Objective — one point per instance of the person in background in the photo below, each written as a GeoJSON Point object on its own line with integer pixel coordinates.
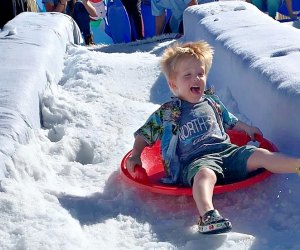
{"type": "Point", "coordinates": [175, 23]}
{"type": "Point", "coordinates": [271, 6]}
{"type": "Point", "coordinates": [289, 5]}
{"type": "Point", "coordinates": [195, 148]}
{"type": "Point", "coordinates": [134, 11]}
{"type": "Point", "coordinates": [10, 8]}
{"type": "Point", "coordinates": [79, 10]}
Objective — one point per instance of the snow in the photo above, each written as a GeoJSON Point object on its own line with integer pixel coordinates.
{"type": "Point", "coordinates": [32, 48]}
{"type": "Point", "coordinates": [61, 187]}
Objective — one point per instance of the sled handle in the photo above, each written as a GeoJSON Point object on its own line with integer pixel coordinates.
{"type": "Point", "coordinates": [263, 143]}
{"type": "Point", "coordinates": [258, 137]}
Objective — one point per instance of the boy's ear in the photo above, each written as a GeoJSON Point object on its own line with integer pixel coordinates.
{"type": "Point", "coordinates": [172, 84]}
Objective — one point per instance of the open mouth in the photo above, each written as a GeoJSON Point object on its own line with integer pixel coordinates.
{"type": "Point", "coordinates": [195, 90]}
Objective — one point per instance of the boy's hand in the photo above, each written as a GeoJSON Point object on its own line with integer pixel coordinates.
{"type": "Point", "coordinates": [251, 131]}
{"type": "Point", "coordinates": [132, 162]}
{"type": "Point", "coordinates": [135, 169]}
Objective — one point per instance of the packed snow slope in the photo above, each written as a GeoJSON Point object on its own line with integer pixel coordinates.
{"type": "Point", "coordinates": [32, 48]}
{"type": "Point", "coordinates": [62, 188]}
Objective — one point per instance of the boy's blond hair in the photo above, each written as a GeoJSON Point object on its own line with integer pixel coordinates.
{"type": "Point", "coordinates": [202, 51]}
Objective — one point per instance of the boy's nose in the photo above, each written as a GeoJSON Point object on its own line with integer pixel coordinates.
{"type": "Point", "coordinates": [196, 79]}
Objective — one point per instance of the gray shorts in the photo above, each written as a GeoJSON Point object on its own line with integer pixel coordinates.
{"type": "Point", "coordinates": [229, 165]}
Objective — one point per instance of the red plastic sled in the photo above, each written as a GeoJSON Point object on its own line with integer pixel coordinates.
{"type": "Point", "coordinates": [149, 179]}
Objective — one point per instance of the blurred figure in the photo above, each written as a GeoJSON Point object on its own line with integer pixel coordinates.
{"type": "Point", "coordinates": [82, 12]}
{"type": "Point", "coordinates": [134, 11]}
{"type": "Point", "coordinates": [55, 5]}
{"type": "Point", "coordinates": [79, 10]}
{"type": "Point", "coordinates": [289, 5]}
{"type": "Point", "coordinates": [10, 8]}
{"type": "Point", "coordinates": [174, 24]}
{"type": "Point", "coordinates": [271, 6]}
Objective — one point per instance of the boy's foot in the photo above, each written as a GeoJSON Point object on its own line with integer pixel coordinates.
{"type": "Point", "coordinates": [213, 223]}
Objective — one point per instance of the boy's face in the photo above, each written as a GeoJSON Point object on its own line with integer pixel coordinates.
{"type": "Point", "coordinates": [189, 80]}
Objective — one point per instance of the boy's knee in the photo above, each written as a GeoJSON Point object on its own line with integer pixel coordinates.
{"type": "Point", "coordinates": [259, 157]}
{"type": "Point", "coordinates": [260, 152]}
{"type": "Point", "coordinates": [205, 174]}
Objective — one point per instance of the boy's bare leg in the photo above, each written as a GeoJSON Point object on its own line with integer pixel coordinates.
{"type": "Point", "coordinates": [274, 162]}
{"type": "Point", "coordinates": [203, 187]}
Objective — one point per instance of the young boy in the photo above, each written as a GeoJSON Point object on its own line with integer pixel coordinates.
{"type": "Point", "coordinates": [195, 148]}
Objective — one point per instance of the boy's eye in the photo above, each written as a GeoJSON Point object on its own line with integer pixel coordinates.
{"type": "Point", "coordinates": [187, 75]}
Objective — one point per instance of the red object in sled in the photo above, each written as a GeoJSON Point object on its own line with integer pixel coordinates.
{"type": "Point", "coordinates": [148, 177]}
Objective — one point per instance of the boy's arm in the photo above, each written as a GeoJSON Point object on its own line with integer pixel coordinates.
{"type": "Point", "coordinates": [135, 158]}
{"type": "Point", "coordinates": [145, 136]}
{"type": "Point", "coordinates": [250, 130]}
{"type": "Point", "coordinates": [232, 122]}
{"type": "Point", "coordinates": [229, 120]}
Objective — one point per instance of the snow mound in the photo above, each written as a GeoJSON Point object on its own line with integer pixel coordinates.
{"type": "Point", "coordinates": [32, 49]}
